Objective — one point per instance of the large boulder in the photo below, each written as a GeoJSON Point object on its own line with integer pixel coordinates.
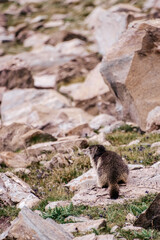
{"type": "Point", "coordinates": [151, 217]}
{"type": "Point", "coordinates": [30, 225]}
{"type": "Point", "coordinates": [131, 69]}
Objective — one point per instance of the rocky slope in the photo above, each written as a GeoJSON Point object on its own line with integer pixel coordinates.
{"type": "Point", "coordinates": [75, 73]}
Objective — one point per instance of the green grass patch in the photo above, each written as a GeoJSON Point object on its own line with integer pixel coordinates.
{"type": "Point", "coordinates": [8, 211]}
{"type": "Point", "coordinates": [143, 234]}
{"type": "Point", "coordinates": [141, 153]}
{"type": "Point", "coordinates": [48, 184]}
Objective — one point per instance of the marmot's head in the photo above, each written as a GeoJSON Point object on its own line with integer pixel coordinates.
{"type": "Point", "coordinates": [96, 150]}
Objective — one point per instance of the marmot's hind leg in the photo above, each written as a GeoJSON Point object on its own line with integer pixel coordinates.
{"type": "Point", "coordinates": [123, 179]}
{"type": "Point", "coordinates": [102, 182]}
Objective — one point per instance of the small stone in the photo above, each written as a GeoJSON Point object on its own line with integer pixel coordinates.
{"type": "Point", "coordinates": [130, 218]}
{"type": "Point", "coordinates": [77, 219]}
{"type": "Point", "coordinates": [135, 142]}
{"type": "Point", "coordinates": [114, 229]}
{"type": "Point", "coordinates": [155, 144]}
{"type": "Point", "coordinates": [135, 166]}
{"type": "Point", "coordinates": [132, 228]}
{"type": "Point", "coordinates": [52, 205]}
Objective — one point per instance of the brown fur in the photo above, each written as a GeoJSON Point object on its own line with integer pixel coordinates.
{"type": "Point", "coordinates": [111, 169]}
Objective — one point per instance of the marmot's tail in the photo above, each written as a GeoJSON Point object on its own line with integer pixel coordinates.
{"type": "Point", "coordinates": [114, 191]}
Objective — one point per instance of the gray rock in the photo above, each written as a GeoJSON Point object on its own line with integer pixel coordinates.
{"type": "Point", "coordinates": [102, 120]}
{"type": "Point", "coordinates": [62, 144]}
{"type": "Point", "coordinates": [84, 226]}
{"type": "Point", "coordinates": [30, 225]}
{"type": "Point", "coordinates": [14, 191]}
{"type": "Point", "coordinates": [30, 105]}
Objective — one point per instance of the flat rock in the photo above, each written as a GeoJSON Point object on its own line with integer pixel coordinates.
{"type": "Point", "coordinates": [30, 105]}
{"type": "Point", "coordinates": [96, 237]}
{"type": "Point", "coordinates": [86, 237]}
{"type": "Point", "coordinates": [14, 191]}
{"type": "Point", "coordinates": [30, 225]}
{"type": "Point", "coordinates": [84, 226]}
{"type": "Point", "coordinates": [126, 69]}
{"type": "Point", "coordinates": [62, 144]}
{"type": "Point", "coordinates": [52, 205]}
{"type": "Point", "coordinates": [140, 182]}
{"type": "Point", "coordinates": [15, 160]}
{"type": "Point", "coordinates": [10, 137]}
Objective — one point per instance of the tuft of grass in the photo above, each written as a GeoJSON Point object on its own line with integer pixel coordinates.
{"type": "Point", "coordinates": [141, 153]}
{"type": "Point", "coordinates": [8, 211]}
{"type": "Point", "coordinates": [40, 138]}
{"type": "Point", "coordinates": [143, 234]}
{"type": "Point", "coordinates": [60, 213]}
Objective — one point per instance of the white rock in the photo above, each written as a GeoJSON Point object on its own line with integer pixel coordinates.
{"type": "Point", "coordinates": [135, 142]}
{"type": "Point", "coordinates": [100, 138]}
{"type": "Point", "coordinates": [107, 27]}
{"type": "Point", "coordinates": [36, 40]}
{"type": "Point", "coordinates": [87, 237]}
{"type": "Point", "coordinates": [45, 81]}
{"type": "Point", "coordinates": [84, 181]}
{"type": "Point", "coordinates": [135, 166]}
{"type": "Point", "coordinates": [52, 205]}
{"type": "Point", "coordinates": [130, 218]}
{"type": "Point", "coordinates": [53, 24]}
{"type": "Point", "coordinates": [111, 128]}
{"type": "Point", "coordinates": [30, 106]}
{"type": "Point", "coordinates": [156, 165]}
{"type": "Point", "coordinates": [153, 119]}
{"type": "Point", "coordinates": [155, 144]}
{"type": "Point", "coordinates": [39, 19]}
{"type": "Point", "coordinates": [151, 4]}
{"type": "Point", "coordinates": [72, 47]}
{"type": "Point", "coordinates": [101, 120]}
{"type": "Point", "coordinates": [132, 228]}
{"type": "Point", "coordinates": [14, 191]}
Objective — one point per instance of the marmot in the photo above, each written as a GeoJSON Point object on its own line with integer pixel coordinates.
{"type": "Point", "coordinates": [111, 169]}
